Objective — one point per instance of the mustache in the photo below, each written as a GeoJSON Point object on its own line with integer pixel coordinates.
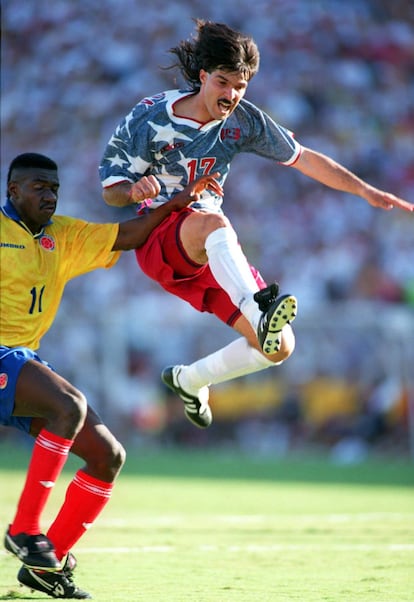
{"type": "Point", "coordinates": [225, 101]}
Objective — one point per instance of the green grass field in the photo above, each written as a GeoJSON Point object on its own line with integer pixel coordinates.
{"type": "Point", "coordinates": [211, 527]}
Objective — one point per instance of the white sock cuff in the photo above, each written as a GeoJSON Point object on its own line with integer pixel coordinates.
{"type": "Point", "coordinates": [219, 236]}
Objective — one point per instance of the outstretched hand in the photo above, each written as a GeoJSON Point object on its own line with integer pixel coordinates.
{"type": "Point", "coordinates": [322, 168]}
{"type": "Point", "coordinates": [386, 200]}
{"type": "Point", "coordinates": [192, 192]}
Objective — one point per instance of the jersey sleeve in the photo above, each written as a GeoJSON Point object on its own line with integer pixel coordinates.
{"type": "Point", "coordinates": [127, 154]}
{"type": "Point", "coordinates": [266, 137]}
{"type": "Point", "coordinates": [87, 246]}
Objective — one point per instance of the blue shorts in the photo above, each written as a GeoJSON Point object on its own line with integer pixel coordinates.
{"type": "Point", "coordinates": [12, 360]}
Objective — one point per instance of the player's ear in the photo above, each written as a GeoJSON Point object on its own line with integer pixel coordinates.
{"type": "Point", "coordinates": [11, 188]}
{"type": "Point", "coordinates": [203, 76]}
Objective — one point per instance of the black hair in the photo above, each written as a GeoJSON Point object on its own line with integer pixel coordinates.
{"type": "Point", "coordinates": [29, 160]}
{"type": "Point", "coordinates": [216, 46]}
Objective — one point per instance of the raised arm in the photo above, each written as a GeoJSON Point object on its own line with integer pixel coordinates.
{"type": "Point", "coordinates": [133, 233]}
{"type": "Point", "coordinates": [327, 171]}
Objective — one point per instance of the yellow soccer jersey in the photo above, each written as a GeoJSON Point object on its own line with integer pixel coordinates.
{"type": "Point", "coordinates": [35, 269]}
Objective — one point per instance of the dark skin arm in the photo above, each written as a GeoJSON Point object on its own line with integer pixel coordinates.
{"type": "Point", "coordinates": [133, 233]}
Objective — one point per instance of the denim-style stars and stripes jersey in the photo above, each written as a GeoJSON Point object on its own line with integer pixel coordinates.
{"type": "Point", "coordinates": [151, 139]}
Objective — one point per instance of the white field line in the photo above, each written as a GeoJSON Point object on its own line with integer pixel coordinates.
{"type": "Point", "coordinates": [252, 548]}
{"type": "Point", "coordinates": [184, 520]}
{"type": "Point", "coordinates": [249, 548]}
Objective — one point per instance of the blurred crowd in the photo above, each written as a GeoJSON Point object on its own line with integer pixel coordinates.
{"type": "Point", "coordinates": [338, 74]}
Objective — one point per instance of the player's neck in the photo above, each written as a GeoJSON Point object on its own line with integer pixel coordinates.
{"type": "Point", "coordinates": [192, 107]}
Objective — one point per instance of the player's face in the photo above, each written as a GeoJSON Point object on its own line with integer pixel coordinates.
{"type": "Point", "coordinates": [221, 92]}
{"type": "Point", "coordinates": [34, 193]}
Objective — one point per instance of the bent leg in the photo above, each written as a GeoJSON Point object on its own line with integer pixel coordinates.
{"type": "Point", "coordinates": [41, 392]}
{"type": "Point", "coordinates": [241, 357]}
{"type": "Point", "coordinates": [210, 237]}
{"type": "Point", "coordinates": [91, 487]}
{"type": "Point", "coordinates": [287, 346]}
{"type": "Point", "coordinates": [103, 454]}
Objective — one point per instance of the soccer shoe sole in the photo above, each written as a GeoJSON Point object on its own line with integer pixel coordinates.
{"type": "Point", "coordinates": [192, 405]}
{"type": "Point", "coordinates": [269, 332]}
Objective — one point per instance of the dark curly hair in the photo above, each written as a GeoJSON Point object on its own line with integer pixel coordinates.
{"type": "Point", "coordinates": [216, 46]}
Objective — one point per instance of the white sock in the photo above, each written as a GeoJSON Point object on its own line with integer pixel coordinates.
{"type": "Point", "coordinates": [234, 360]}
{"type": "Point", "coordinates": [231, 269]}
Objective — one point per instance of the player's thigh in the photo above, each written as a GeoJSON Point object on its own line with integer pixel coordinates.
{"type": "Point", "coordinates": [194, 230]}
{"type": "Point", "coordinates": [43, 393]}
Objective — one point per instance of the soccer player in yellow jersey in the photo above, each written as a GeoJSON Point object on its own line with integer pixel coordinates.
{"type": "Point", "coordinates": [39, 254]}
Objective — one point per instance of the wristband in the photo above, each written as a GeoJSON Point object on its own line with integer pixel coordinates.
{"type": "Point", "coordinates": [143, 206]}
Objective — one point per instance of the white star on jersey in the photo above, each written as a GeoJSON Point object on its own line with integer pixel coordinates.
{"type": "Point", "coordinates": [116, 160]}
{"type": "Point", "coordinates": [166, 133]}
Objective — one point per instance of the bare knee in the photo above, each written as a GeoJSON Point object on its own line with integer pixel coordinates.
{"type": "Point", "coordinates": [117, 458]}
{"type": "Point", "coordinates": [108, 464]}
{"type": "Point", "coordinates": [69, 413]}
{"type": "Point", "coordinates": [103, 454]}
{"type": "Point", "coordinates": [196, 228]}
{"type": "Point", "coordinates": [214, 221]}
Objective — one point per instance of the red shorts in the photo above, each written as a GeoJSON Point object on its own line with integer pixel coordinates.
{"type": "Point", "coordinates": [164, 259]}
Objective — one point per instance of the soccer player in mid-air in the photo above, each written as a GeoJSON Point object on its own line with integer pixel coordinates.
{"type": "Point", "coordinates": [39, 253]}
{"type": "Point", "coordinates": [166, 141]}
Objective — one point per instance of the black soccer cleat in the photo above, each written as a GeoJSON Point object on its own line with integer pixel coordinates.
{"type": "Point", "coordinates": [58, 584]}
{"type": "Point", "coordinates": [277, 312]}
{"type": "Point", "coordinates": [266, 296]}
{"type": "Point", "coordinates": [196, 408]}
{"type": "Point", "coordinates": [35, 551]}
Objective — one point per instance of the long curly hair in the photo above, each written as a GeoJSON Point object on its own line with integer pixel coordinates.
{"type": "Point", "coordinates": [216, 46]}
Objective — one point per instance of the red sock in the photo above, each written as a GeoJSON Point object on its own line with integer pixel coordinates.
{"type": "Point", "coordinates": [84, 501]}
{"type": "Point", "coordinates": [49, 455]}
